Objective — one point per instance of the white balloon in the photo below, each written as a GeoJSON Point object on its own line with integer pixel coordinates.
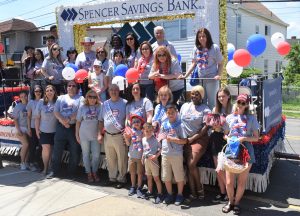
{"type": "Point", "coordinates": [230, 46]}
{"type": "Point", "coordinates": [68, 73]}
{"type": "Point", "coordinates": [233, 69]}
{"type": "Point", "coordinates": [120, 81]}
{"type": "Point", "coordinates": [277, 38]}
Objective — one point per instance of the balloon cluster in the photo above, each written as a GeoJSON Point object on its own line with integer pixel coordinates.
{"type": "Point", "coordinates": [278, 41]}
{"type": "Point", "coordinates": [121, 72]}
{"type": "Point", "coordinates": [256, 45]}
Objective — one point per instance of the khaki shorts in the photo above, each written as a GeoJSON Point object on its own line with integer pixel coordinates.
{"type": "Point", "coordinates": [172, 165]}
{"type": "Point", "coordinates": [151, 168]}
{"type": "Point", "coordinates": [135, 166]}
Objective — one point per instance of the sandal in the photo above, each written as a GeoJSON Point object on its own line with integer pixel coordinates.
{"type": "Point", "coordinates": [227, 208]}
{"type": "Point", "coordinates": [236, 210]}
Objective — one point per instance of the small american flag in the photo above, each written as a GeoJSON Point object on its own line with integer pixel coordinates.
{"type": "Point", "coordinates": [128, 131]}
{"type": "Point", "coordinates": [161, 136]}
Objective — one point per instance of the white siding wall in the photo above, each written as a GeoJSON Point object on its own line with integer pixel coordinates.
{"type": "Point", "coordinates": [249, 21]}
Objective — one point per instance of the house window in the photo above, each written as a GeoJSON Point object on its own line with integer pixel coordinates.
{"type": "Point", "coordinates": [6, 44]}
{"type": "Point", "coordinates": [44, 40]}
{"type": "Point", "coordinates": [278, 66]}
{"type": "Point", "coordinates": [267, 30]}
{"type": "Point", "coordinates": [174, 30]}
{"type": "Point", "coordinates": [266, 66]}
{"type": "Point", "coordinates": [257, 29]}
{"type": "Point", "coordinates": [239, 22]}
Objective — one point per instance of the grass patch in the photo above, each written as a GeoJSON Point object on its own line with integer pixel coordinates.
{"type": "Point", "coordinates": [291, 114]}
{"type": "Point", "coordinates": [291, 106]}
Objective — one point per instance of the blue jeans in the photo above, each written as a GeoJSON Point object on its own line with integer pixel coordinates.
{"type": "Point", "coordinates": [64, 136]}
{"type": "Point", "coordinates": [148, 91]}
{"type": "Point", "coordinates": [87, 148]}
{"type": "Point", "coordinates": [211, 88]}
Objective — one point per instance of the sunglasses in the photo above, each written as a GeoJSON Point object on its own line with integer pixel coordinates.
{"type": "Point", "coordinates": [37, 91]}
{"type": "Point", "coordinates": [49, 90]}
{"type": "Point", "coordinates": [161, 55]}
{"type": "Point", "coordinates": [143, 49]}
{"type": "Point", "coordinates": [72, 86]}
{"type": "Point", "coordinates": [56, 49]}
{"type": "Point", "coordinates": [100, 52]}
{"type": "Point", "coordinates": [136, 121]}
{"type": "Point", "coordinates": [92, 97]}
{"type": "Point", "coordinates": [241, 103]}
{"type": "Point", "coordinates": [130, 38]}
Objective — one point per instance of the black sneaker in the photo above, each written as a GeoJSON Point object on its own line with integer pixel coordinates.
{"type": "Point", "coordinates": [119, 185]}
{"type": "Point", "coordinates": [169, 199]}
{"type": "Point", "coordinates": [220, 198]}
{"type": "Point", "coordinates": [159, 199]}
{"type": "Point", "coordinates": [148, 195]}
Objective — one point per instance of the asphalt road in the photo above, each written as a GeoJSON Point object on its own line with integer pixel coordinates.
{"type": "Point", "coordinates": [28, 193]}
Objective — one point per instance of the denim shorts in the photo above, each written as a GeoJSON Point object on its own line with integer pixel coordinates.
{"type": "Point", "coordinates": [250, 148]}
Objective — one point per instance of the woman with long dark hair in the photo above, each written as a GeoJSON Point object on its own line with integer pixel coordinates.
{"type": "Point", "coordinates": [116, 44]}
{"type": "Point", "coordinates": [131, 49]}
{"type": "Point", "coordinates": [71, 56]}
{"type": "Point", "coordinates": [208, 63]}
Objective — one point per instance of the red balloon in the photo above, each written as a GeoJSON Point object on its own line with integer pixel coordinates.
{"type": "Point", "coordinates": [283, 48]}
{"type": "Point", "coordinates": [81, 75]}
{"type": "Point", "coordinates": [242, 57]}
{"type": "Point", "coordinates": [1, 48]}
{"type": "Point", "coordinates": [132, 75]}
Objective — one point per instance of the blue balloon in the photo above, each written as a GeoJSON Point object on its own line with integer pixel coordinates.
{"type": "Point", "coordinates": [179, 58]}
{"type": "Point", "coordinates": [256, 44]}
{"type": "Point", "coordinates": [71, 65]}
{"type": "Point", "coordinates": [121, 70]}
{"type": "Point", "coordinates": [230, 54]}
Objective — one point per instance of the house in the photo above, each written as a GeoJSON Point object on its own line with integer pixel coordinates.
{"type": "Point", "coordinates": [293, 40]}
{"type": "Point", "coordinates": [15, 34]}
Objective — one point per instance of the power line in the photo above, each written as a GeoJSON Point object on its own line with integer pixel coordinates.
{"type": "Point", "coordinates": [7, 2]}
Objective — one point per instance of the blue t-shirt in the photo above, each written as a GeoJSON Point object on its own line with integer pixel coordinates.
{"type": "Point", "coordinates": [48, 120]}
{"type": "Point", "coordinates": [20, 114]}
{"type": "Point", "coordinates": [173, 130]}
{"type": "Point", "coordinates": [67, 105]}
{"type": "Point", "coordinates": [136, 146]}
{"type": "Point", "coordinates": [31, 106]}
{"type": "Point", "coordinates": [140, 108]}
{"type": "Point", "coordinates": [150, 146]}
{"type": "Point", "coordinates": [160, 114]}
{"type": "Point", "coordinates": [241, 125]}
{"type": "Point", "coordinates": [85, 60]}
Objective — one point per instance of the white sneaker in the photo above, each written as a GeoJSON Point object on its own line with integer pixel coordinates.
{"type": "Point", "coordinates": [23, 166]}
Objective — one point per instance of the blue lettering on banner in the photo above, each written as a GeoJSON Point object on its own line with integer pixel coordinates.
{"type": "Point", "coordinates": [183, 5]}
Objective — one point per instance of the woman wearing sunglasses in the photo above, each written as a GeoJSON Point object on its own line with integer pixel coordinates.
{"type": "Point", "coordinates": [86, 134]}
{"type": "Point", "coordinates": [132, 53]}
{"type": "Point", "coordinates": [244, 126]}
{"type": "Point", "coordinates": [165, 71]}
{"type": "Point", "coordinates": [144, 65]}
{"type": "Point", "coordinates": [45, 124]}
{"type": "Point", "coordinates": [71, 56]}
{"type": "Point", "coordinates": [36, 95]}
{"type": "Point", "coordinates": [52, 68]}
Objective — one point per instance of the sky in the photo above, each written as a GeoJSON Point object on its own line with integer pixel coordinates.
{"type": "Point", "coordinates": [42, 13]}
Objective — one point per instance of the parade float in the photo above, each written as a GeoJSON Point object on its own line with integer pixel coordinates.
{"type": "Point", "coordinates": [73, 22]}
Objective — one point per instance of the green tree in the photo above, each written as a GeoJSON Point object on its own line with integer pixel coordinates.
{"type": "Point", "coordinates": [292, 70]}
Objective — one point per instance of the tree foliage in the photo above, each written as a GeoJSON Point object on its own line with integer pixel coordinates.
{"type": "Point", "coordinates": [292, 70]}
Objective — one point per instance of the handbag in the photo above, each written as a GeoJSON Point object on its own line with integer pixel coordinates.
{"type": "Point", "coordinates": [195, 77]}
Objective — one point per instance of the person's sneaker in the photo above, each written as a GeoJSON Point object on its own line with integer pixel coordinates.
{"type": "Point", "coordinates": [179, 200]}
{"type": "Point", "coordinates": [50, 175]}
{"type": "Point", "coordinates": [148, 195]}
{"type": "Point", "coordinates": [33, 168]}
{"type": "Point", "coordinates": [169, 199]}
{"type": "Point", "coordinates": [220, 198]}
{"type": "Point", "coordinates": [200, 194]}
{"type": "Point", "coordinates": [159, 199]}
{"type": "Point", "coordinates": [23, 167]}
{"type": "Point", "coordinates": [140, 193]}
{"type": "Point", "coordinates": [131, 191]}
{"type": "Point", "coordinates": [119, 185]}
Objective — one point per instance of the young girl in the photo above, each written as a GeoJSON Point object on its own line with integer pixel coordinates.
{"type": "Point", "coordinates": [216, 142]}
{"type": "Point", "coordinates": [133, 138]}
{"type": "Point", "coordinates": [20, 118]}
{"type": "Point", "coordinates": [152, 150]}
{"type": "Point", "coordinates": [86, 134]}
{"type": "Point", "coordinates": [163, 99]}
{"type": "Point", "coordinates": [118, 58]}
{"type": "Point", "coordinates": [97, 80]}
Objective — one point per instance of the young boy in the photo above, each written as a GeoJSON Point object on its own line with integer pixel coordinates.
{"type": "Point", "coordinates": [152, 150]}
{"type": "Point", "coordinates": [173, 140]}
{"type": "Point", "coordinates": [133, 138]}
{"type": "Point", "coordinates": [97, 80]}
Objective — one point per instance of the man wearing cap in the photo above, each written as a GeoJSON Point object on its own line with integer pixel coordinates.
{"type": "Point", "coordinates": [86, 59]}
{"type": "Point", "coordinates": [112, 118]}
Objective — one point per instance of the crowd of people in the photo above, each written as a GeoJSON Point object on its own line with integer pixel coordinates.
{"type": "Point", "coordinates": [161, 139]}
